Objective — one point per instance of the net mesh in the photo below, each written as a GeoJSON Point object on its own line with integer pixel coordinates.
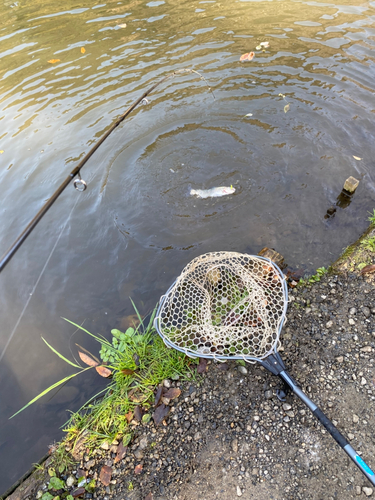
{"type": "Point", "coordinates": [224, 305]}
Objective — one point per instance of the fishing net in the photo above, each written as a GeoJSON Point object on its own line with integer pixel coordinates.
{"type": "Point", "coordinates": [224, 305]}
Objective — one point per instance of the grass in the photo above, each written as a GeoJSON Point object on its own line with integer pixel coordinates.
{"type": "Point", "coordinates": [372, 217]}
{"type": "Point", "coordinates": [369, 244]}
{"type": "Point", "coordinates": [135, 361]}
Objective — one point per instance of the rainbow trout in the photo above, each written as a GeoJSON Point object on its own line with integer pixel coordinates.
{"type": "Point", "coordinates": [213, 192]}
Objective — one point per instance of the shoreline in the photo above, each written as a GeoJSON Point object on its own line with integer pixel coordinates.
{"type": "Point", "coordinates": [311, 342]}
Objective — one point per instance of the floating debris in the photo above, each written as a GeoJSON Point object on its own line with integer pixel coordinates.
{"type": "Point", "coordinates": [213, 192]}
{"type": "Point", "coordinates": [265, 44]}
{"type": "Point", "coordinates": [247, 57]}
{"type": "Point", "coordinates": [357, 158]}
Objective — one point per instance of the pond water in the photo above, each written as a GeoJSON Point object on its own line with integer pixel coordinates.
{"type": "Point", "coordinates": [136, 226]}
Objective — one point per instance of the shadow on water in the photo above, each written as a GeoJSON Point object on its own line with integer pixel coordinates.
{"type": "Point", "coordinates": [137, 226]}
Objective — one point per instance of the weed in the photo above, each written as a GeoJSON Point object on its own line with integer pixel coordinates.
{"type": "Point", "coordinates": [137, 361]}
{"type": "Point", "coordinates": [372, 217]}
{"type": "Point", "coordinates": [320, 272]}
{"type": "Point", "coordinates": [369, 244]}
{"type": "Point", "coordinates": [130, 486]}
{"type": "Point", "coordinates": [61, 459]}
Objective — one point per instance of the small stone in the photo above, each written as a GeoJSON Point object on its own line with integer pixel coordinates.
{"type": "Point", "coordinates": [242, 370]}
{"type": "Point", "coordinates": [175, 376]}
{"type": "Point", "coordinates": [235, 445]}
{"type": "Point", "coordinates": [70, 481]}
{"type": "Point", "coordinates": [287, 407]}
{"type": "Point", "coordinates": [340, 359]}
{"type": "Point", "coordinates": [355, 418]}
{"type": "Point", "coordinates": [167, 383]}
{"type": "Point", "coordinates": [143, 443]}
{"type": "Point", "coordinates": [358, 490]}
{"type": "Point", "coordinates": [197, 436]}
{"type": "Point", "coordinates": [105, 445]}
{"type": "Point", "coordinates": [351, 436]}
{"type": "Point", "coordinates": [366, 311]}
{"type": "Point", "coordinates": [367, 348]}
{"type": "Point", "coordinates": [165, 401]}
{"type": "Point", "coordinates": [239, 492]}
{"type": "Point", "coordinates": [329, 324]}
{"type": "Point", "coordinates": [363, 381]}
{"type": "Point", "coordinates": [351, 321]}
{"type": "Point", "coordinates": [170, 439]}
{"type": "Point", "coordinates": [138, 454]}
{"type": "Point", "coordinates": [367, 491]}
{"type": "Point", "coordinates": [268, 394]}
{"type": "Point", "coordinates": [39, 494]}
{"type": "Point", "coordinates": [352, 310]}
{"type": "Point", "coordinates": [90, 464]}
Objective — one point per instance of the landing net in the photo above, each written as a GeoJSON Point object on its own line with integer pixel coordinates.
{"type": "Point", "coordinates": [225, 305]}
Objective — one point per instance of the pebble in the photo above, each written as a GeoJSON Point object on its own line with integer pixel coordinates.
{"type": "Point", "coordinates": [268, 394]}
{"type": "Point", "coordinates": [287, 407]}
{"type": "Point", "coordinates": [329, 324]}
{"type": "Point", "coordinates": [242, 370]}
{"type": "Point", "coordinates": [71, 480]}
{"type": "Point", "coordinates": [367, 348]}
{"type": "Point", "coordinates": [167, 383]}
{"type": "Point", "coordinates": [351, 321]}
{"type": "Point", "coordinates": [340, 359]}
{"type": "Point", "coordinates": [355, 418]}
{"type": "Point", "coordinates": [358, 490]}
{"type": "Point", "coordinates": [197, 436]}
{"type": "Point", "coordinates": [143, 444]}
{"type": "Point", "coordinates": [105, 445]}
{"type": "Point", "coordinates": [239, 492]}
{"type": "Point", "coordinates": [235, 445]}
{"type": "Point", "coordinates": [367, 491]}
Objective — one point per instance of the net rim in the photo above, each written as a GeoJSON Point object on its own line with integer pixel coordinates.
{"type": "Point", "coordinates": [210, 355]}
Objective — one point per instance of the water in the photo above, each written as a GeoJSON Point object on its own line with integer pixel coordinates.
{"type": "Point", "coordinates": [136, 226]}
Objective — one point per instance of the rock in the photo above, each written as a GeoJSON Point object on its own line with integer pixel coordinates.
{"type": "Point", "coordinates": [329, 324]}
{"type": "Point", "coordinates": [351, 321]}
{"type": "Point", "coordinates": [352, 310]}
{"type": "Point", "coordinates": [268, 394]}
{"type": "Point", "coordinates": [367, 491]}
{"type": "Point", "coordinates": [235, 445]}
{"type": "Point", "coordinates": [242, 370]}
{"type": "Point", "coordinates": [366, 311]}
{"type": "Point", "coordinates": [355, 418]}
{"type": "Point", "coordinates": [351, 436]}
{"type": "Point", "coordinates": [139, 454]}
{"type": "Point", "coordinates": [105, 445]}
{"type": "Point", "coordinates": [340, 359]}
{"type": "Point", "coordinates": [363, 381]}
{"type": "Point", "coordinates": [367, 348]}
{"type": "Point", "coordinates": [90, 464]}
{"type": "Point", "coordinates": [358, 490]}
{"type": "Point", "coordinates": [197, 436]}
{"type": "Point", "coordinates": [287, 407]}
{"type": "Point", "coordinates": [143, 444]}
{"type": "Point", "coordinates": [71, 481]}
{"type": "Point", "coordinates": [167, 383]}
{"type": "Point", "coordinates": [239, 492]}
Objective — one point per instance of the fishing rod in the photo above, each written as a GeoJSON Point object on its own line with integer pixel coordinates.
{"type": "Point", "coordinates": [79, 183]}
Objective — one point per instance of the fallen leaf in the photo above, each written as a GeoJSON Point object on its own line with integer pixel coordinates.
{"type": "Point", "coordinates": [265, 44]}
{"type": "Point", "coordinates": [87, 352]}
{"type": "Point", "coordinates": [103, 371]}
{"type": "Point", "coordinates": [105, 475]}
{"type": "Point", "coordinates": [159, 392]}
{"type": "Point", "coordinates": [357, 158]}
{"type": "Point", "coordinates": [87, 359]}
{"type": "Point", "coordinates": [202, 367]}
{"type": "Point", "coordinates": [368, 269]}
{"type": "Point", "coordinates": [149, 496]}
{"type": "Point", "coordinates": [286, 108]}
{"type": "Point", "coordinates": [121, 452]}
{"type": "Point", "coordinates": [146, 418]}
{"type": "Point", "coordinates": [53, 61]}
{"type": "Point", "coordinates": [126, 439]}
{"type": "Point", "coordinates": [172, 393]}
{"type": "Point", "coordinates": [83, 50]}
{"type": "Point", "coordinates": [129, 416]}
{"type": "Point", "coordinates": [138, 469]}
{"type": "Point", "coordinates": [126, 371]}
{"type": "Point", "coordinates": [160, 413]}
{"type": "Point", "coordinates": [138, 413]}
{"type": "Point", "coordinates": [247, 57]}
{"type": "Point", "coordinates": [122, 25]}
{"type": "Point", "coordinates": [78, 492]}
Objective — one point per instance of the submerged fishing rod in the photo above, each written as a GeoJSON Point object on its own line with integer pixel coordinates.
{"type": "Point", "coordinates": [79, 183]}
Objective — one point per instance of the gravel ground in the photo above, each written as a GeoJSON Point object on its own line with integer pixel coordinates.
{"type": "Point", "coordinates": [228, 435]}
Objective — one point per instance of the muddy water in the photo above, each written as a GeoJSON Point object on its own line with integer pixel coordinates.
{"type": "Point", "coordinates": [136, 226]}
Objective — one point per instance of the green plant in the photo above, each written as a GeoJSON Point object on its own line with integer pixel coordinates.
{"type": "Point", "coordinates": [372, 217]}
{"type": "Point", "coordinates": [61, 459]}
{"type": "Point", "coordinates": [320, 272]}
{"type": "Point", "coordinates": [136, 362]}
{"type": "Point", "coordinates": [369, 244]}
{"type": "Point", "coordinates": [130, 486]}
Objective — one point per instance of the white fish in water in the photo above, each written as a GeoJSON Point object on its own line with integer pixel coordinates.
{"type": "Point", "coordinates": [213, 192]}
